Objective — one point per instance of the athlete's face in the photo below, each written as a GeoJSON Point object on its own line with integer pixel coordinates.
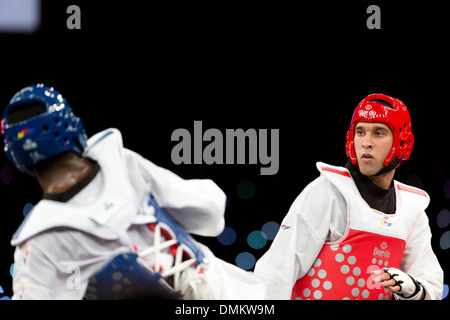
{"type": "Point", "coordinates": [373, 142]}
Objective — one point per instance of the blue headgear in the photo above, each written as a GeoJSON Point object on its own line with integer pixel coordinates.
{"type": "Point", "coordinates": [42, 136]}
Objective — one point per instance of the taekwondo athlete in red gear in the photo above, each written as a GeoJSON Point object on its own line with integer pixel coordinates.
{"type": "Point", "coordinates": [111, 224]}
{"type": "Point", "coordinates": [355, 232]}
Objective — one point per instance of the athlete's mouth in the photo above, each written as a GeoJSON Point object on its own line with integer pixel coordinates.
{"type": "Point", "coordinates": [367, 156]}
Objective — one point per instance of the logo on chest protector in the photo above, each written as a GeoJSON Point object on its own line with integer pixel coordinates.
{"type": "Point", "coordinates": [386, 224]}
{"type": "Point", "coordinates": [383, 251]}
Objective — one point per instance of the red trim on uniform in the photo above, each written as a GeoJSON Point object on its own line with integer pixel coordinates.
{"type": "Point", "coordinates": [341, 172]}
{"type": "Point", "coordinates": [412, 190]}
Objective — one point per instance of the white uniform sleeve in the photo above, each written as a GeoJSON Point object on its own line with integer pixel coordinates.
{"type": "Point", "coordinates": [198, 205]}
{"type": "Point", "coordinates": [303, 232]}
{"type": "Point", "coordinates": [419, 260]}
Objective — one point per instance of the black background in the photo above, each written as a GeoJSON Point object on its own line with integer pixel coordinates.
{"type": "Point", "coordinates": [148, 70]}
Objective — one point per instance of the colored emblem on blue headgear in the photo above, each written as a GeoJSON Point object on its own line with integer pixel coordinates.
{"type": "Point", "coordinates": [54, 131]}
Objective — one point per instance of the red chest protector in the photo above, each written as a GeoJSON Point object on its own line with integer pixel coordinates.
{"type": "Point", "coordinates": [372, 241]}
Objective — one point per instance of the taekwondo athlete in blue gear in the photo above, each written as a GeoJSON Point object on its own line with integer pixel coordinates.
{"type": "Point", "coordinates": [101, 208]}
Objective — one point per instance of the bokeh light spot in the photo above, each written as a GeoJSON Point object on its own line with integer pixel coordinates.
{"type": "Point", "coordinates": [27, 208]}
{"type": "Point", "coordinates": [414, 180]}
{"type": "Point", "coordinates": [245, 190]}
{"type": "Point", "coordinates": [245, 260]}
{"type": "Point", "coordinates": [445, 292]}
{"type": "Point", "coordinates": [437, 169]}
{"type": "Point", "coordinates": [447, 189]}
{"type": "Point", "coordinates": [256, 239]}
{"type": "Point", "coordinates": [445, 240]}
{"type": "Point", "coordinates": [270, 229]}
{"type": "Point", "coordinates": [227, 237]}
{"type": "Point", "coordinates": [443, 218]}
{"type": "Point", "coordinates": [6, 175]}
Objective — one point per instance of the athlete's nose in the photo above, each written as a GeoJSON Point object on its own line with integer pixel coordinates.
{"type": "Point", "coordinates": [367, 142]}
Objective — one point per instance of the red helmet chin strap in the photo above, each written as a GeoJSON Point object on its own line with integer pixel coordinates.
{"type": "Point", "coordinates": [372, 109]}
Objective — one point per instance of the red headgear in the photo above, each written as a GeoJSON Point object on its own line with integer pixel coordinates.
{"type": "Point", "coordinates": [397, 118]}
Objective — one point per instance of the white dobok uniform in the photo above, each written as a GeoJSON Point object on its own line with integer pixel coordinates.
{"type": "Point", "coordinates": [331, 240]}
{"type": "Point", "coordinates": [60, 246]}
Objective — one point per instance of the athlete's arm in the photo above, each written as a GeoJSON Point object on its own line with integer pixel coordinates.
{"type": "Point", "coordinates": [198, 205]}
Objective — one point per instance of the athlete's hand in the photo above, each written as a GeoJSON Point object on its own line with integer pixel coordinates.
{"type": "Point", "coordinates": [399, 282]}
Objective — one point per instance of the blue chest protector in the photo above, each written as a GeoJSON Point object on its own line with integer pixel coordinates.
{"type": "Point", "coordinates": [125, 276]}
